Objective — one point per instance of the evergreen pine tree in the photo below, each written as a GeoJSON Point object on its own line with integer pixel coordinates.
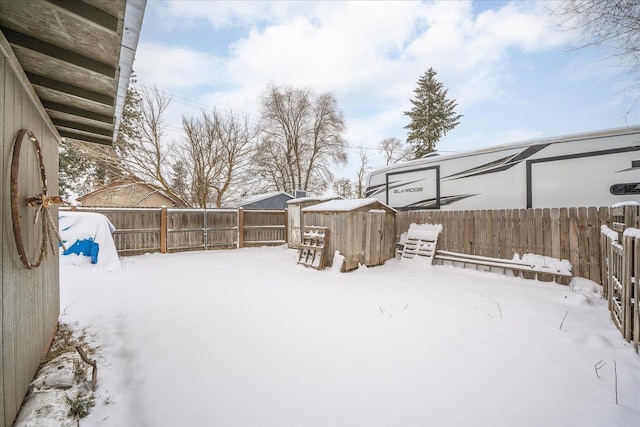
{"type": "Point", "coordinates": [129, 133]}
{"type": "Point", "coordinates": [74, 170]}
{"type": "Point", "coordinates": [179, 177]}
{"type": "Point", "coordinates": [432, 115]}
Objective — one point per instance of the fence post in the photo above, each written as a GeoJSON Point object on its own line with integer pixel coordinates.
{"type": "Point", "coordinates": [286, 227]}
{"type": "Point", "coordinates": [636, 308]}
{"type": "Point", "coordinates": [163, 230]}
{"type": "Point", "coordinates": [240, 228]}
{"type": "Point", "coordinates": [205, 237]}
{"type": "Point", "coordinates": [627, 287]}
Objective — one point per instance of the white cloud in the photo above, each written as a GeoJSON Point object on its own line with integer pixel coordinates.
{"type": "Point", "coordinates": [225, 14]}
{"type": "Point", "coordinates": [350, 47]}
{"type": "Point", "coordinates": [175, 67]}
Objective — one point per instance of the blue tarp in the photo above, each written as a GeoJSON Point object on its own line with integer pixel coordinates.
{"type": "Point", "coordinates": [86, 247]}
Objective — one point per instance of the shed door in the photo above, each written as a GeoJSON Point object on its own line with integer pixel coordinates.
{"type": "Point", "coordinates": [374, 247]}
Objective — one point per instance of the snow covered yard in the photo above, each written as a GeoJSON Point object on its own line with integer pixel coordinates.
{"type": "Point", "coordinates": [247, 337]}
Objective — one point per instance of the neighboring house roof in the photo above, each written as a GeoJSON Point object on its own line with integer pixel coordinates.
{"type": "Point", "coordinates": [259, 197]}
{"type": "Point", "coordinates": [125, 182]}
{"type": "Point", "coordinates": [78, 57]}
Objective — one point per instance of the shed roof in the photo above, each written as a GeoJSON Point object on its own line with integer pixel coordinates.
{"type": "Point", "coordinates": [77, 56]}
{"type": "Point", "coordinates": [347, 205]}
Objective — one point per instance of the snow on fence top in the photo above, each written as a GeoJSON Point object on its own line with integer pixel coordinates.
{"type": "Point", "coordinates": [613, 235]}
{"type": "Point", "coordinates": [631, 232]}
{"type": "Point", "coordinates": [627, 203]}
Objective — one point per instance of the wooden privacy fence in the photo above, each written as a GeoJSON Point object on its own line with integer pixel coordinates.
{"type": "Point", "coordinates": [565, 233]}
{"type": "Point", "coordinates": [140, 230]}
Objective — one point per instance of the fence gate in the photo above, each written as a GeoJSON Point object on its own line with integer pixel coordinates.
{"type": "Point", "coordinates": [262, 227]}
{"type": "Point", "coordinates": [621, 274]}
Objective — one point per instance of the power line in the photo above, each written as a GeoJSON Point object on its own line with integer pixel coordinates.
{"type": "Point", "coordinates": [175, 95]}
{"type": "Point", "coordinates": [184, 99]}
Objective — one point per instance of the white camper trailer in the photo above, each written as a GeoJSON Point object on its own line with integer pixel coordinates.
{"type": "Point", "coordinates": [589, 169]}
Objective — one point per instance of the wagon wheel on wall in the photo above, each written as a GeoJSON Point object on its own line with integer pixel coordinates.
{"type": "Point", "coordinates": [41, 202]}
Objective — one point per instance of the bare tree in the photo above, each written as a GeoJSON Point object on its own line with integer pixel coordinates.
{"type": "Point", "coordinates": [201, 171]}
{"type": "Point", "coordinates": [199, 154]}
{"type": "Point", "coordinates": [215, 152]}
{"type": "Point", "coordinates": [394, 151]}
{"type": "Point", "coordinates": [614, 24]}
{"type": "Point", "coordinates": [343, 187]}
{"type": "Point", "coordinates": [270, 164]}
{"type": "Point", "coordinates": [361, 174]}
{"type": "Point", "coordinates": [150, 157]}
{"type": "Point", "coordinates": [301, 139]}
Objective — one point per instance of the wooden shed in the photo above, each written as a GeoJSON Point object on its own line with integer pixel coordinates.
{"type": "Point", "coordinates": [295, 223]}
{"type": "Point", "coordinates": [363, 230]}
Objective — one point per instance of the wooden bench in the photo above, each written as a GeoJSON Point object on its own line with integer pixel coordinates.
{"type": "Point", "coordinates": [518, 267]}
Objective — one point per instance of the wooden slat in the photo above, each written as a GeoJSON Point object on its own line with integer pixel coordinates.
{"type": "Point", "coordinates": [483, 232]}
{"type": "Point", "coordinates": [554, 215]}
{"type": "Point", "coordinates": [593, 230]}
{"type": "Point", "coordinates": [574, 246]}
{"type": "Point", "coordinates": [468, 234]}
{"type": "Point", "coordinates": [538, 232]}
{"type": "Point", "coordinates": [583, 243]}
{"type": "Point", "coordinates": [508, 235]}
{"type": "Point", "coordinates": [545, 240]}
{"type": "Point", "coordinates": [636, 292]}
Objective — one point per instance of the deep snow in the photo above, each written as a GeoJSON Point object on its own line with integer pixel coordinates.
{"type": "Point", "coordinates": [248, 337]}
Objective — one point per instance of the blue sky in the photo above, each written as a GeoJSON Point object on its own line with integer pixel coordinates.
{"type": "Point", "coordinates": [506, 63]}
